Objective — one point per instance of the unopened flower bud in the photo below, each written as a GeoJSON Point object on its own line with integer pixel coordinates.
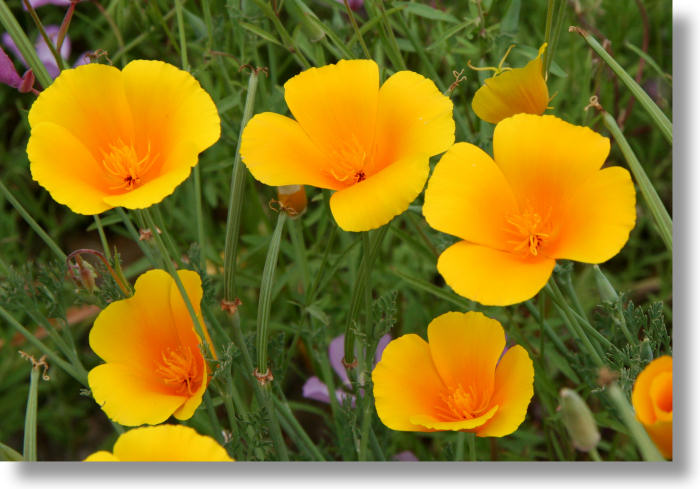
{"type": "Point", "coordinates": [578, 420]}
{"type": "Point", "coordinates": [605, 288]}
{"type": "Point", "coordinates": [27, 83]}
{"type": "Point", "coordinates": [292, 199]}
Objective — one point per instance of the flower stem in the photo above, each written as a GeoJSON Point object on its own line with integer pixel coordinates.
{"type": "Point", "coordinates": [181, 32]}
{"type": "Point", "coordinates": [29, 449]}
{"type": "Point", "coordinates": [262, 396]}
{"type": "Point", "coordinates": [652, 109]}
{"type": "Point", "coordinates": [656, 207]}
{"type": "Point", "coordinates": [52, 356]}
{"type": "Point", "coordinates": [44, 35]}
{"type": "Point", "coordinates": [29, 219]}
{"type": "Point", "coordinates": [570, 320]}
{"type": "Point", "coordinates": [641, 438]}
{"type": "Point", "coordinates": [548, 36]}
{"type": "Point", "coordinates": [103, 238]}
{"type": "Point", "coordinates": [471, 439]}
{"type": "Point", "coordinates": [233, 221]}
{"type": "Point", "coordinates": [351, 16]}
{"type": "Point", "coordinates": [264, 302]}
{"type": "Point", "coordinates": [460, 441]}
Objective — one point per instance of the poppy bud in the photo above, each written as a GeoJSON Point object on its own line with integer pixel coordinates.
{"type": "Point", "coordinates": [605, 288]}
{"type": "Point", "coordinates": [292, 199]}
{"type": "Point", "coordinates": [578, 420]}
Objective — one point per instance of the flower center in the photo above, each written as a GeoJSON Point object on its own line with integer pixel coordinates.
{"type": "Point", "coordinates": [123, 166]}
{"type": "Point", "coordinates": [530, 231]}
{"type": "Point", "coordinates": [177, 368]}
{"type": "Point", "coordinates": [463, 404]}
{"type": "Point", "coordinates": [348, 161]}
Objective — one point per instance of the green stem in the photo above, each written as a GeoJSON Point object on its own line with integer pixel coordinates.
{"type": "Point", "coordinates": [213, 421]}
{"type": "Point", "coordinates": [135, 236]}
{"type": "Point", "coordinates": [43, 34]}
{"type": "Point", "coordinates": [24, 45]}
{"type": "Point", "coordinates": [595, 455]}
{"type": "Point", "coordinates": [460, 442]}
{"type": "Point", "coordinates": [642, 97]}
{"type": "Point", "coordinates": [548, 36]}
{"type": "Point", "coordinates": [199, 217]}
{"type": "Point", "coordinates": [29, 450]}
{"type": "Point", "coordinates": [29, 219]}
{"type": "Point", "coordinates": [658, 212]}
{"type": "Point", "coordinates": [10, 454]}
{"type": "Point", "coordinates": [302, 438]}
{"type": "Point", "coordinates": [569, 319]}
{"type": "Point", "coordinates": [265, 301]}
{"type": "Point", "coordinates": [103, 238]}
{"type": "Point", "coordinates": [641, 438]}
{"type": "Point", "coordinates": [262, 396]}
{"type": "Point", "coordinates": [297, 236]}
{"type": "Point", "coordinates": [287, 40]}
{"type": "Point", "coordinates": [181, 33]}
{"type": "Point", "coordinates": [355, 27]}
{"type": "Point", "coordinates": [233, 221]}
{"type": "Point", "coordinates": [52, 356]}
{"type": "Point", "coordinates": [361, 282]}
{"type": "Point", "coordinates": [471, 439]}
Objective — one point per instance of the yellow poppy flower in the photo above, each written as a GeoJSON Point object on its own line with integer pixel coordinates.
{"type": "Point", "coordinates": [103, 138]}
{"type": "Point", "coordinates": [154, 367]}
{"type": "Point", "coordinates": [460, 380]}
{"type": "Point", "coordinates": [542, 197]}
{"type": "Point", "coordinates": [515, 91]}
{"type": "Point", "coordinates": [369, 144]}
{"type": "Point", "coordinates": [164, 443]}
{"type": "Point", "coordinates": [652, 398]}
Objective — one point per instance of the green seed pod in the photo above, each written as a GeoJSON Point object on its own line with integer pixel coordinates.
{"type": "Point", "coordinates": [578, 420]}
{"type": "Point", "coordinates": [605, 288]}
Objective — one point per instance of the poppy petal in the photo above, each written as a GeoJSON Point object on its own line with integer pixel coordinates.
{"type": "Point", "coordinates": [470, 270]}
{"type": "Point", "coordinates": [76, 100]}
{"type": "Point", "coordinates": [336, 103]}
{"type": "Point", "coordinates": [130, 398]}
{"type": "Point", "coordinates": [413, 117]}
{"type": "Point", "coordinates": [520, 90]}
{"type": "Point", "coordinates": [159, 182]}
{"type": "Point", "coordinates": [293, 159]}
{"type": "Point", "coordinates": [463, 180]}
{"type": "Point", "coordinates": [434, 423]}
{"type": "Point", "coordinates": [544, 158]}
{"type": "Point", "coordinates": [373, 202]}
{"type": "Point", "coordinates": [406, 383]}
{"type": "Point", "coordinates": [66, 169]}
{"type": "Point", "coordinates": [600, 216]}
{"type": "Point", "coordinates": [465, 348]}
{"type": "Point", "coordinates": [151, 87]}
{"type": "Point", "coordinates": [641, 397]}
{"type": "Point", "coordinates": [101, 456]}
{"type": "Point", "coordinates": [172, 443]}
{"type": "Point", "coordinates": [512, 393]}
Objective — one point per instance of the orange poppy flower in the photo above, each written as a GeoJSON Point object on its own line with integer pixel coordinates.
{"type": "Point", "coordinates": [541, 198]}
{"type": "Point", "coordinates": [103, 138]}
{"type": "Point", "coordinates": [652, 398]}
{"type": "Point", "coordinates": [369, 144]}
{"type": "Point", "coordinates": [460, 380]}
{"type": "Point", "coordinates": [164, 443]}
{"type": "Point", "coordinates": [512, 91]}
{"type": "Point", "coordinates": [154, 367]}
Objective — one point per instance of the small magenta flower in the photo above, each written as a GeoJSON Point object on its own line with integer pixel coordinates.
{"type": "Point", "coordinates": [315, 389]}
{"type": "Point", "coordinates": [353, 4]}
{"type": "Point", "coordinates": [44, 52]}
{"type": "Point", "coordinates": [8, 73]}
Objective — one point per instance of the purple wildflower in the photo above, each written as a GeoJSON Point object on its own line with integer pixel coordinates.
{"type": "Point", "coordinates": [315, 389]}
